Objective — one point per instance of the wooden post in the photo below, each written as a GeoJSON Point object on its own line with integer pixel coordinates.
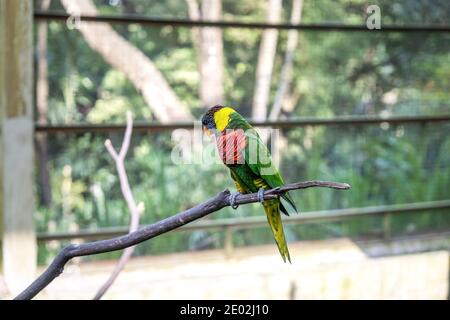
{"type": "Point", "coordinates": [448, 277]}
{"type": "Point", "coordinates": [387, 228]}
{"type": "Point", "coordinates": [16, 144]}
{"type": "Point", "coordinates": [228, 241]}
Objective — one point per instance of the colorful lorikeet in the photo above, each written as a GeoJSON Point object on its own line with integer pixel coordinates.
{"type": "Point", "coordinates": [244, 153]}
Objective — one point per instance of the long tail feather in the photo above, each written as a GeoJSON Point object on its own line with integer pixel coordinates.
{"type": "Point", "coordinates": [272, 208]}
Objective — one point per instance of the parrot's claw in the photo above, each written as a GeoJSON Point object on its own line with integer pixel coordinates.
{"type": "Point", "coordinates": [261, 195]}
{"type": "Point", "coordinates": [233, 203]}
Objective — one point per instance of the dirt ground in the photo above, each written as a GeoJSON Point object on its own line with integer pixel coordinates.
{"type": "Point", "coordinates": [328, 269]}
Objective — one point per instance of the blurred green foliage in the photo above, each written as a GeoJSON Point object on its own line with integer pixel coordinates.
{"type": "Point", "coordinates": [334, 74]}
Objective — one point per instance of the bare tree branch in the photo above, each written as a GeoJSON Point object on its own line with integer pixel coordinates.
{"type": "Point", "coordinates": [135, 210]}
{"type": "Point", "coordinates": [214, 204]}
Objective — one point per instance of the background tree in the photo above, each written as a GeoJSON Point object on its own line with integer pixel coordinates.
{"type": "Point", "coordinates": [141, 71]}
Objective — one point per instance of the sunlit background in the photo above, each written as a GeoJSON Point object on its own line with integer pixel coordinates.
{"type": "Point", "coordinates": [387, 237]}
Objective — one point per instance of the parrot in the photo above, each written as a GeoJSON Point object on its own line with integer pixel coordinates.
{"type": "Point", "coordinates": [242, 150]}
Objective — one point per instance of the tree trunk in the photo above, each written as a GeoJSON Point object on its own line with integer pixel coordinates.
{"type": "Point", "coordinates": [139, 69]}
{"type": "Point", "coordinates": [286, 71]}
{"type": "Point", "coordinates": [209, 46]}
{"type": "Point", "coordinates": [279, 141]}
{"type": "Point", "coordinates": [266, 59]}
{"type": "Point", "coordinates": [194, 14]}
{"type": "Point", "coordinates": [42, 108]}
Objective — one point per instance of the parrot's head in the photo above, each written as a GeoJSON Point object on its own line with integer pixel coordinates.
{"type": "Point", "coordinates": [216, 119]}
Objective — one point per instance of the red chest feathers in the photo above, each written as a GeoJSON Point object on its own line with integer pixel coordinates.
{"type": "Point", "coordinates": [231, 145]}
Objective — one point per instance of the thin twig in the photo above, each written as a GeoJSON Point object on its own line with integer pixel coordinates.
{"type": "Point", "coordinates": [135, 210]}
{"type": "Point", "coordinates": [214, 204]}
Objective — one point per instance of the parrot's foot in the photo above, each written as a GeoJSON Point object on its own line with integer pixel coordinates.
{"type": "Point", "coordinates": [261, 195]}
{"type": "Point", "coordinates": [233, 203]}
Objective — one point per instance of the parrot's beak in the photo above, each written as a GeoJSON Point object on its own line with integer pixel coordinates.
{"type": "Point", "coordinates": [207, 131]}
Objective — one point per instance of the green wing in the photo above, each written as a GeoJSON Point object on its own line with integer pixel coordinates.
{"type": "Point", "coordinates": [258, 158]}
{"type": "Point", "coordinates": [263, 167]}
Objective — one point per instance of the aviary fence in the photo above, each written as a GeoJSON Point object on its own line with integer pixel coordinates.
{"type": "Point", "coordinates": [229, 226]}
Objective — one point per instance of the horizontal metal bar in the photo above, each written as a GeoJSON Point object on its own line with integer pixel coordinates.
{"type": "Point", "coordinates": [253, 222]}
{"type": "Point", "coordinates": [127, 19]}
{"type": "Point", "coordinates": [158, 127]}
